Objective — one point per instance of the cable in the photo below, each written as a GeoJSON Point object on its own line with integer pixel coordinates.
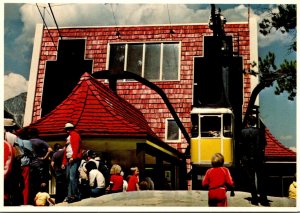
{"type": "Point", "coordinates": [55, 21]}
{"type": "Point", "coordinates": [117, 30]}
{"type": "Point", "coordinates": [171, 30]}
{"type": "Point", "coordinates": [46, 26]}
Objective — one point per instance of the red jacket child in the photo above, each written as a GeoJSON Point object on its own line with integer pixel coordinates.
{"type": "Point", "coordinates": [217, 179]}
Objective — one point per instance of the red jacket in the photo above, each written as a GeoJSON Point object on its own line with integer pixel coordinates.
{"type": "Point", "coordinates": [217, 177]}
{"type": "Point", "coordinates": [75, 142]}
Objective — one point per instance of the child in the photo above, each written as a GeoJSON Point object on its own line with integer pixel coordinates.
{"type": "Point", "coordinates": [43, 198]}
{"type": "Point", "coordinates": [133, 181]}
{"type": "Point", "coordinates": [217, 179]}
{"type": "Point", "coordinates": [116, 179]}
{"type": "Point", "coordinates": [293, 189]}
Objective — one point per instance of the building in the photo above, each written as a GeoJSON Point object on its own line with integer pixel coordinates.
{"type": "Point", "coordinates": [109, 124]}
{"type": "Point", "coordinates": [280, 165]}
{"type": "Point", "coordinates": [173, 57]}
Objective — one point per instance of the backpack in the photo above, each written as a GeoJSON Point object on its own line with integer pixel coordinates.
{"type": "Point", "coordinates": [26, 155]}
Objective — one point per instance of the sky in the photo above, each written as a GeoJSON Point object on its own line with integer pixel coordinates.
{"type": "Point", "coordinates": [20, 19]}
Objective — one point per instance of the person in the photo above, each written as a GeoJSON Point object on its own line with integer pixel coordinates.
{"type": "Point", "coordinates": [43, 198]}
{"type": "Point", "coordinates": [26, 146]}
{"type": "Point", "coordinates": [9, 131]}
{"type": "Point", "coordinates": [71, 161]}
{"type": "Point", "coordinates": [91, 156]}
{"type": "Point", "coordinates": [217, 179]}
{"type": "Point", "coordinates": [150, 183]}
{"type": "Point", "coordinates": [293, 189]}
{"type": "Point", "coordinates": [9, 173]}
{"type": "Point", "coordinates": [103, 168]}
{"type": "Point", "coordinates": [116, 179]}
{"type": "Point", "coordinates": [148, 175]}
{"type": "Point", "coordinates": [144, 185]}
{"type": "Point", "coordinates": [59, 173]}
{"type": "Point", "coordinates": [13, 178]}
{"type": "Point", "coordinates": [133, 181]}
{"type": "Point", "coordinates": [83, 182]}
{"type": "Point", "coordinates": [96, 180]}
{"type": "Point", "coordinates": [40, 165]}
{"type": "Point", "coordinates": [125, 184]}
{"type": "Point", "coordinates": [252, 160]}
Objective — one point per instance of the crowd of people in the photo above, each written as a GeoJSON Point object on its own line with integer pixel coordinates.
{"type": "Point", "coordinates": [30, 163]}
{"type": "Point", "coordinates": [29, 169]}
{"type": "Point", "coordinates": [78, 173]}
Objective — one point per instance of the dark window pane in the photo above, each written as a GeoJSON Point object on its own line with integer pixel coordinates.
{"type": "Point", "coordinates": [227, 129]}
{"type": "Point", "coordinates": [135, 58]}
{"type": "Point", "coordinates": [195, 126]}
{"type": "Point", "coordinates": [210, 125]}
{"type": "Point", "coordinates": [173, 130]}
{"type": "Point", "coordinates": [116, 57]}
{"type": "Point", "coordinates": [152, 62]}
{"type": "Point", "coordinates": [170, 62]}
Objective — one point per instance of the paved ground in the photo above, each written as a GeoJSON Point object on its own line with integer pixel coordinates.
{"type": "Point", "coordinates": [172, 199]}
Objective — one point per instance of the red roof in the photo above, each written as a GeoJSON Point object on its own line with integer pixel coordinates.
{"type": "Point", "coordinates": [95, 110]}
{"type": "Point", "coordinates": [276, 151]}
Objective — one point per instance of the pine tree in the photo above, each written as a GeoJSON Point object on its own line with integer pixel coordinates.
{"type": "Point", "coordinates": [285, 21]}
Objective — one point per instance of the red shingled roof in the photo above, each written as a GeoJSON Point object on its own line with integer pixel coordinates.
{"type": "Point", "coordinates": [95, 110]}
{"type": "Point", "coordinates": [276, 151]}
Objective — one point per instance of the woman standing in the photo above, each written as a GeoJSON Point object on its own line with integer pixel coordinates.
{"type": "Point", "coordinates": [26, 146]}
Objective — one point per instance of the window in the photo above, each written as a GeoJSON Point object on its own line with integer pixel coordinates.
{"type": "Point", "coordinates": [153, 61]}
{"type": "Point", "coordinates": [210, 126]}
{"type": "Point", "coordinates": [227, 127]}
{"type": "Point", "coordinates": [135, 58]}
{"type": "Point", "coordinates": [195, 125]}
{"type": "Point", "coordinates": [116, 62]}
{"type": "Point", "coordinates": [172, 130]}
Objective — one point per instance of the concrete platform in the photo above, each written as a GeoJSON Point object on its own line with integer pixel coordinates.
{"type": "Point", "coordinates": [120, 201]}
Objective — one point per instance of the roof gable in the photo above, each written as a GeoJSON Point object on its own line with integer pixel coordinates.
{"type": "Point", "coordinates": [276, 151]}
{"type": "Point", "coordinates": [95, 110]}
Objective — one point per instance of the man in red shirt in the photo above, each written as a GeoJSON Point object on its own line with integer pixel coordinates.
{"type": "Point", "coordinates": [71, 161]}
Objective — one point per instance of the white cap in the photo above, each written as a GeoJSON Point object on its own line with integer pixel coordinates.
{"type": "Point", "coordinates": [69, 125]}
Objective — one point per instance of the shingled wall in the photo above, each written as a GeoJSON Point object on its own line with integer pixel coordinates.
{"type": "Point", "coordinates": [151, 105]}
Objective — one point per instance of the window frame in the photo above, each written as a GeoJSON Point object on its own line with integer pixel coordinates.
{"type": "Point", "coordinates": [143, 58]}
{"type": "Point", "coordinates": [178, 140]}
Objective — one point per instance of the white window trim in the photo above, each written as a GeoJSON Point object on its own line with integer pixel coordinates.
{"type": "Point", "coordinates": [126, 57]}
{"type": "Point", "coordinates": [143, 57]}
{"type": "Point", "coordinates": [166, 131]}
{"type": "Point", "coordinates": [161, 61]}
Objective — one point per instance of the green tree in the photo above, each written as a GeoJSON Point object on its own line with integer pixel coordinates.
{"type": "Point", "coordinates": [285, 21]}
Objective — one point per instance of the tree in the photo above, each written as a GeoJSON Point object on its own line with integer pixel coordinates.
{"type": "Point", "coordinates": [285, 21]}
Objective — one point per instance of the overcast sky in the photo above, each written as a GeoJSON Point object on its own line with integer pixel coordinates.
{"type": "Point", "coordinates": [19, 28]}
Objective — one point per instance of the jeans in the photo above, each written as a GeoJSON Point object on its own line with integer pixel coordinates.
{"type": "Point", "coordinates": [72, 178]}
{"type": "Point", "coordinates": [96, 192]}
{"type": "Point", "coordinates": [61, 188]}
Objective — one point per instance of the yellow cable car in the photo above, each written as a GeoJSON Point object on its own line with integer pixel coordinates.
{"type": "Point", "coordinates": [212, 132]}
